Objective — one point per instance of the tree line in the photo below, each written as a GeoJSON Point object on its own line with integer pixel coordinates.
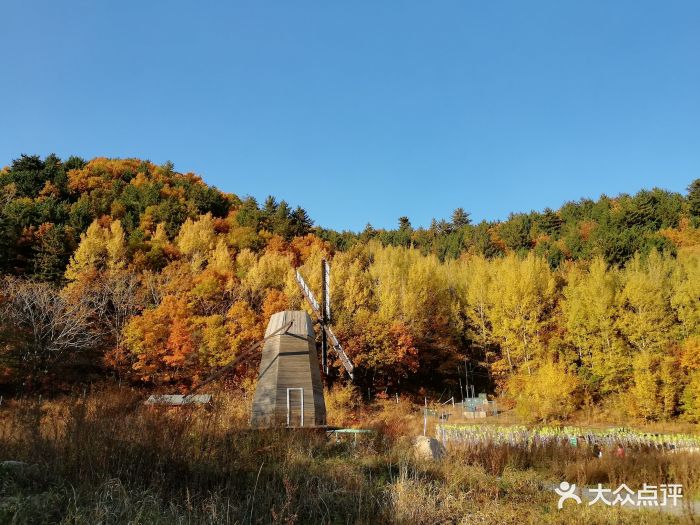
{"type": "Point", "coordinates": [156, 278]}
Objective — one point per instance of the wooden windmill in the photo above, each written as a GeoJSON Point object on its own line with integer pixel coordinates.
{"type": "Point", "coordinates": [289, 390]}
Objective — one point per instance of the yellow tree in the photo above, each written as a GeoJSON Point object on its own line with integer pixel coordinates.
{"type": "Point", "coordinates": [351, 284]}
{"type": "Point", "coordinates": [196, 239]}
{"type": "Point", "coordinates": [685, 292]}
{"type": "Point", "coordinates": [116, 246]}
{"type": "Point", "coordinates": [471, 278]}
{"type": "Point", "coordinates": [413, 289]}
{"type": "Point", "coordinates": [243, 326]}
{"type": "Point", "coordinates": [214, 344]}
{"type": "Point", "coordinates": [589, 310]}
{"type": "Point", "coordinates": [245, 260]}
{"type": "Point", "coordinates": [101, 247]}
{"type": "Point", "coordinates": [387, 271]}
{"type": "Point", "coordinates": [691, 398]}
{"type": "Point", "coordinates": [646, 318]}
{"type": "Point", "coordinates": [648, 322]}
{"type": "Point", "coordinates": [269, 271]}
{"type": "Point", "coordinates": [550, 392]}
{"type": "Point", "coordinates": [522, 297]}
{"type": "Point", "coordinates": [220, 259]}
{"type": "Point", "coordinates": [477, 292]}
{"type": "Point", "coordinates": [646, 388]}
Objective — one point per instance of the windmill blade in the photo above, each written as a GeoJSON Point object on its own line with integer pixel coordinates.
{"type": "Point", "coordinates": [191, 398]}
{"type": "Point", "coordinates": [327, 290]}
{"type": "Point", "coordinates": [311, 299]}
{"type": "Point", "coordinates": [347, 364]}
{"type": "Point", "coordinates": [245, 354]}
{"type": "Point", "coordinates": [309, 295]}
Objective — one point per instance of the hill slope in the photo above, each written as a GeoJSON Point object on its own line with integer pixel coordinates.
{"type": "Point", "coordinates": [154, 276]}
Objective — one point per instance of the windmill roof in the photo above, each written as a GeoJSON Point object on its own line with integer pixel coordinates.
{"type": "Point", "coordinates": [301, 323]}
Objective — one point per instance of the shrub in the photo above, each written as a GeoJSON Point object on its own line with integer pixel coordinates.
{"type": "Point", "coordinates": [548, 393]}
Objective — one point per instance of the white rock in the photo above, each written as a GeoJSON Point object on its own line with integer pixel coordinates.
{"type": "Point", "coordinates": [426, 447]}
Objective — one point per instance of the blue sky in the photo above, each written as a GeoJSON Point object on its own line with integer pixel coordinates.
{"type": "Point", "coordinates": [364, 111]}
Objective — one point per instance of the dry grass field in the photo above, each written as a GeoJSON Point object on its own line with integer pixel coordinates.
{"type": "Point", "coordinates": [106, 458]}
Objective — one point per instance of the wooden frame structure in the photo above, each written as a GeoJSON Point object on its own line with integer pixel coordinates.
{"type": "Point", "coordinates": [289, 362]}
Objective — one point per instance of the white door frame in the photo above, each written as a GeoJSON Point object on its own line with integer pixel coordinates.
{"type": "Point", "coordinates": [289, 412]}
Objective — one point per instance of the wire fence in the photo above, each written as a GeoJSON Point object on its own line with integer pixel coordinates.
{"type": "Point", "coordinates": [573, 436]}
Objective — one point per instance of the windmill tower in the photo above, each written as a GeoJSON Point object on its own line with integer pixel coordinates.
{"type": "Point", "coordinates": [289, 390]}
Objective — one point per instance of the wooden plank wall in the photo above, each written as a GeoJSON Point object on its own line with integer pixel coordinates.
{"type": "Point", "coordinates": [289, 361]}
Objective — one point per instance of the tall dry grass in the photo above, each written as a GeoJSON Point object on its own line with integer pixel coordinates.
{"type": "Point", "coordinates": [106, 458]}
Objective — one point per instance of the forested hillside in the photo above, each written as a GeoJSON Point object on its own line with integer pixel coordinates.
{"type": "Point", "coordinates": [154, 277]}
{"type": "Point", "coordinates": [612, 228]}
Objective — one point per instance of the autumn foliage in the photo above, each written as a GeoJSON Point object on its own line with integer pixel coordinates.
{"type": "Point", "coordinates": [178, 278]}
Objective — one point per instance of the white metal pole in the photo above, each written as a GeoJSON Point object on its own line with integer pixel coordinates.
{"type": "Point", "coordinates": [425, 416]}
